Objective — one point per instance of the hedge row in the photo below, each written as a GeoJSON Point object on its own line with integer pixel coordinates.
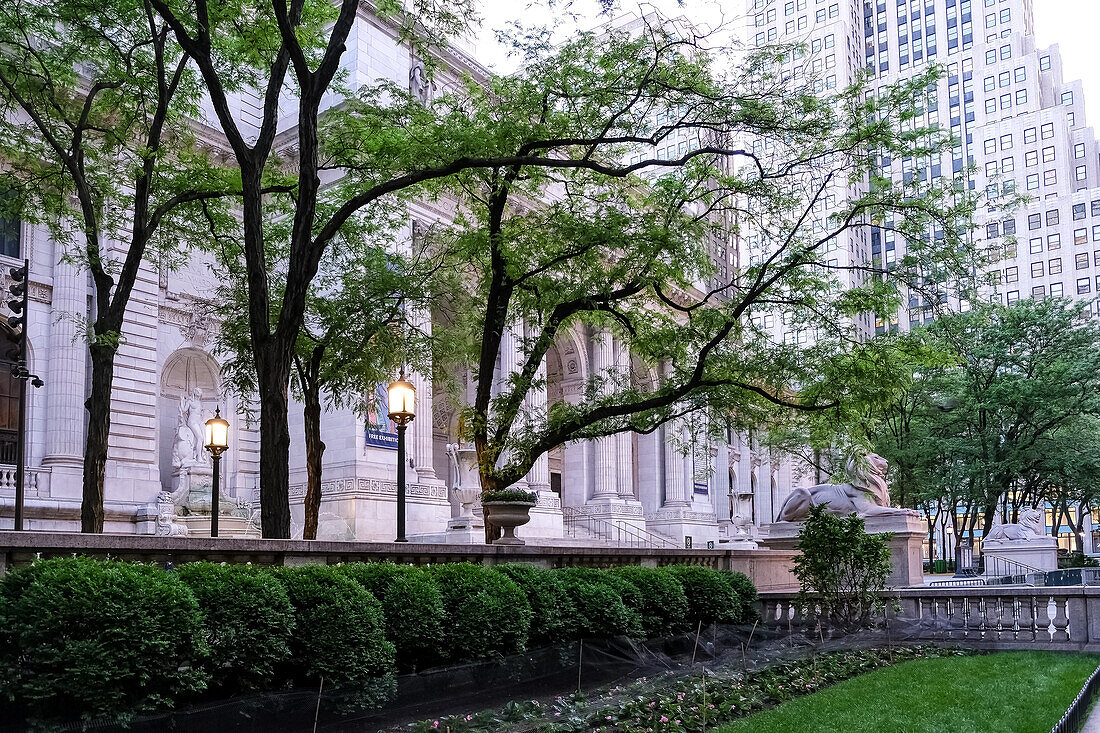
{"type": "Point", "coordinates": [89, 638]}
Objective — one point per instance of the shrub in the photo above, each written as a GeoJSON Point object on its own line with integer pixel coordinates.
{"type": "Point", "coordinates": [746, 595]}
{"type": "Point", "coordinates": [664, 607]}
{"type": "Point", "coordinates": [413, 608]}
{"type": "Point", "coordinates": [87, 638]}
{"type": "Point", "coordinates": [601, 611]}
{"type": "Point", "coordinates": [339, 632]}
{"type": "Point", "coordinates": [553, 613]}
{"type": "Point", "coordinates": [711, 598]}
{"type": "Point", "coordinates": [487, 613]}
{"type": "Point", "coordinates": [525, 497]}
{"type": "Point", "coordinates": [843, 565]}
{"type": "Point", "coordinates": [247, 623]}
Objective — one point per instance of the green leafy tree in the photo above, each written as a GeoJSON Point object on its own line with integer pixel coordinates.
{"type": "Point", "coordinates": [1008, 417]}
{"type": "Point", "coordinates": [841, 567]}
{"type": "Point", "coordinates": [628, 256]}
{"type": "Point", "coordinates": [94, 98]}
{"type": "Point", "coordinates": [564, 125]}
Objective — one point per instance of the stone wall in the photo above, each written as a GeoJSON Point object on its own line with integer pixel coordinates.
{"type": "Point", "coordinates": [769, 569]}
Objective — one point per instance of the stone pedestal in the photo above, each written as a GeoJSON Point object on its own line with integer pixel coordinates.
{"type": "Point", "coordinates": [1040, 553]}
{"type": "Point", "coordinates": [905, 544]}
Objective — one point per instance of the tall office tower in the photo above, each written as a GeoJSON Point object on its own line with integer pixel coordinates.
{"type": "Point", "coordinates": [1004, 101]}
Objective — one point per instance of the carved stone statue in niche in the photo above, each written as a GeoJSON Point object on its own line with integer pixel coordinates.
{"type": "Point", "coordinates": [188, 449]}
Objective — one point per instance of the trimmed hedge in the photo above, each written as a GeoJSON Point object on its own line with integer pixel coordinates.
{"type": "Point", "coordinates": [88, 638]}
{"type": "Point", "coordinates": [553, 613]}
{"type": "Point", "coordinates": [601, 611]}
{"type": "Point", "coordinates": [413, 609]}
{"type": "Point", "coordinates": [711, 597]}
{"type": "Point", "coordinates": [340, 628]}
{"type": "Point", "coordinates": [663, 604]}
{"type": "Point", "coordinates": [247, 623]}
{"type": "Point", "coordinates": [487, 613]}
{"type": "Point", "coordinates": [99, 639]}
{"type": "Point", "coordinates": [746, 593]}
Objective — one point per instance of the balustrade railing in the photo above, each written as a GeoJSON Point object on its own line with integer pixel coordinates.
{"type": "Point", "coordinates": [617, 533]}
{"type": "Point", "coordinates": [986, 616]}
{"type": "Point", "coordinates": [7, 480]}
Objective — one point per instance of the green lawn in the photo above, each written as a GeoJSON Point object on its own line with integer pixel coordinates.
{"type": "Point", "coordinates": [1017, 692]}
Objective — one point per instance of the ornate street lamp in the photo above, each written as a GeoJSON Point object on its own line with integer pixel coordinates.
{"type": "Point", "coordinates": [217, 440]}
{"type": "Point", "coordinates": [402, 411]}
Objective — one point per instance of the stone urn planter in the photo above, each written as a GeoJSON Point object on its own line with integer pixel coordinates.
{"type": "Point", "coordinates": [508, 515]}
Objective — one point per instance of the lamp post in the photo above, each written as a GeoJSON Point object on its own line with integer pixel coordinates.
{"type": "Point", "coordinates": [217, 440]}
{"type": "Point", "coordinates": [402, 411]}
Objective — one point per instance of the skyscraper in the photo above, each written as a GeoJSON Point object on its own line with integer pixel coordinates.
{"type": "Point", "coordinates": [1014, 119]}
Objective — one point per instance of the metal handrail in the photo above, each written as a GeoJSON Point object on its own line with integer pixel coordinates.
{"type": "Point", "coordinates": [613, 532]}
{"type": "Point", "coordinates": [1011, 567]}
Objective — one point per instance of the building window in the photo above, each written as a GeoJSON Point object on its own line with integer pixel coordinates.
{"type": "Point", "coordinates": [1084, 285]}
{"type": "Point", "coordinates": [1078, 212]}
{"type": "Point", "coordinates": [1080, 173]}
{"type": "Point", "coordinates": [1067, 98]}
{"type": "Point", "coordinates": [1044, 63]}
{"type": "Point", "coordinates": [1050, 178]}
{"type": "Point", "coordinates": [1032, 182]}
{"type": "Point", "coordinates": [991, 145]}
{"type": "Point", "coordinates": [1056, 290]}
{"type": "Point", "coordinates": [1079, 150]}
{"type": "Point", "coordinates": [1081, 236]}
{"type": "Point", "coordinates": [1054, 241]}
{"type": "Point", "coordinates": [1055, 266]}
{"type": "Point", "coordinates": [1039, 291]}
{"type": "Point", "coordinates": [1034, 221]}
{"type": "Point", "coordinates": [1047, 130]}
{"type": "Point", "coordinates": [1052, 217]}
{"type": "Point", "coordinates": [1012, 274]}
{"type": "Point", "coordinates": [1029, 135]}
{"type": "Point", "coordinates": [9, 231]}
{"type": "Point", "coordinates": [1048, 154]}
{"type": "Point", "coordinates": [1036, 245]}
{"type": "Point", "coordinates": [1037, 269]}
{"type": "Point", "coordinates": [1081, 260]}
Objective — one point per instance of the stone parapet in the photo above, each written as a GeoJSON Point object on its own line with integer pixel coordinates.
{"type": "Point", "coordinates": [770, 570]}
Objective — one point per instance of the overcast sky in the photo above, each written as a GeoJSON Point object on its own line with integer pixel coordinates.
{"type": "Point", "coordinates": [1072, 24]}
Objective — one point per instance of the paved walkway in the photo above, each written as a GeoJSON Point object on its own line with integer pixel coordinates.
{"type": "Point", "coordinates": [1092, 723]}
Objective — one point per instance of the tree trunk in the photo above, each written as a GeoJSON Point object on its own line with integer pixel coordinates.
{"type": "Point", "coordinates": [273, 371]}
{"type": "Point", "coordinates": [315, 451]}
{"type": "Point", "coordinates": [98, 406]}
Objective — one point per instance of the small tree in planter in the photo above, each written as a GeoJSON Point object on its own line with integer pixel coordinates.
{"type": "Point", "coordinates": [505, 510]}
{"type": "Point", "coordinates": [841, 567]}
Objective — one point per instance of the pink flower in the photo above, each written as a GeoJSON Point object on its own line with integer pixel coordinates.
{"type": "Point", "coordinates": [435, 725]}
{"type": "Point", "coordinates": [664, 719]}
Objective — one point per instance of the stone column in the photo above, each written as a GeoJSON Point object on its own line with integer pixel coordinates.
{"type": "Point", "coordinates": [421, 430]}
{"type": "Point", "coordinates": [624, 442]}
{"type": "Point", "coordinates": [675, 486]}
{"type": "Point", "coordinates": [538, 478]}
{"type": "Point", "coordinates": [603, 360]}
{"type": "Point", "coordinates": [67, 373]}
{"type": "Point", "coordinates": [511, 362]}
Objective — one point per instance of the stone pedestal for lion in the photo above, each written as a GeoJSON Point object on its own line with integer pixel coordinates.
{"type": "Point", "coordinates": [1010, 549]}
{"type": "Point", "coordinates": [865, 494]}
{"type": "Point", "coordinates": [906, 544]}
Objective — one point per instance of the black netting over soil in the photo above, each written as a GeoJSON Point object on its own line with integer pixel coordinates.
{"type": "Point", "coordinates": [539, 674]}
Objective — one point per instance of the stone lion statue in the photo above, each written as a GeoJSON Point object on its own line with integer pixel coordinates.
{"type": "Point", "coordinates": [863, 494]}
{"type": "Point", "coordinates": [1032, 524]}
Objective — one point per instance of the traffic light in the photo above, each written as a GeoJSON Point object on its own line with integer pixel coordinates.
{"type": "Point", "coordinates": [18, 307]}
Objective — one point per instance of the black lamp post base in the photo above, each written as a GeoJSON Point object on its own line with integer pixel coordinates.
{"type": "Point", "coordinates": [401, 539]}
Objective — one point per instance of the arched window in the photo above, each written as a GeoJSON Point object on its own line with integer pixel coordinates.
{"type": "Point", "coordinates": [9, 227]}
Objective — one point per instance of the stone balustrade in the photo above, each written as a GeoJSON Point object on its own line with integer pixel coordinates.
{"type": "Point", "coordinates": [986, 617]}
{"type": "Point", "coordinates": [31, 487]}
